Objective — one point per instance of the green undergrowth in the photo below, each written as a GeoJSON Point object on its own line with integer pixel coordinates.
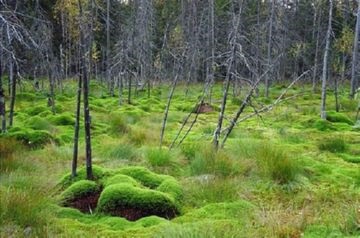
{"type": "Point", "coordinates": [287, 173]}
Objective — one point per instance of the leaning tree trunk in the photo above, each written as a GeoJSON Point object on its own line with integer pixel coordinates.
{"type": "Point", "coordinates": [355, 54]}
{"type": "Point", "coordinates": [325, 64]}
{"type": "Point", "coordinates": [84, 73]}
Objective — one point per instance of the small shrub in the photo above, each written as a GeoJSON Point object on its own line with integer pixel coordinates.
{"type": "Point", "coordinates": [334, 145]}
{"type": "Point", "coordinates": [158, 157]}
{"type": "Point", "coordinates": [338, 117]}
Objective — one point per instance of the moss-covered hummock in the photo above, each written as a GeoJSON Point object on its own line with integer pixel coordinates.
{"type": "Point", "coordinates": [144, 176]}
{"type": "Point", "coordinates": [32, 138]}
{"type": "Point", "coordinates": [82, 195]}
{"type": "Point", "coordinates": [121, 179]}
{"type": "Point", "coordinates": [98, 174]}
{"type": "Point", "coordinates": [133, 203]}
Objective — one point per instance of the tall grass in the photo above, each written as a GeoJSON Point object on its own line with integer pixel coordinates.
{"type": "Point", "coordinates": [277, 164]}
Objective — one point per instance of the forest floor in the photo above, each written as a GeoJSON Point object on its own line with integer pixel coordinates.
{"type": "Point", "coordinates": [284, 174]}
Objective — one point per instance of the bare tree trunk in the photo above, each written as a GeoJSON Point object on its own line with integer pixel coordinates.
{"type": "Point", "coordinates": [51, 99]}
{"type": "Point", "coordinates": [269, 49]}
{"type": "Point", "coordinates": [354, 63]}
{"type": "Point", "coordinates": [2, 102]}
{"type": "Point", "coordinates": [169, 102]}
{"type": "Point", "coordinates": [13, 74]}
{"type": "Point", "coordinates": [316, 52]}
{"type": "Point", "coordinates": [84, 72]}
{"type": "Point", "coordinates": [77, 127]}
{"type": "Point", "coordinates": [228, 77]}
{"type": "Point", "coordinates": [325, 64]}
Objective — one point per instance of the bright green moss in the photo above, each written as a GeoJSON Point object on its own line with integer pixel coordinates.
{"type": "Point", "coordinates": [115, 198]}
{"type": "Point", "coordinates": [234, 210]}
{"type": "Point", "coordinates": [320, 231]}
{"type": "Point", "coordinates": [172, 187]}
{"type": "Point", "coordinates": [38, 123]}
{"type": "Point", "coordinates": [79, 189]}
{"type": "Point", "coordinates": [323, 125]}
{"type": "Point", "coordinates": [143, 175]}
{"type": "Point", "coordinates": [120, 178]}
{"type": "Point", "coordinates": [33, 111]}
{"type": "Point", "coordinates": [338, 117]}
{"type": "Point", "coordinates": [63, 119]}
{"type": "Point", "coordinates": [32, 138]}
{"type": "Point", "coordinates": [334, 145]}
{"type": "Point", "coordinates": [98, 174]}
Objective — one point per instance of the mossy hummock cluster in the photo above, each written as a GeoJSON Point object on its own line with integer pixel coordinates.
{"type": "Point", "coordinates": [130, 192]}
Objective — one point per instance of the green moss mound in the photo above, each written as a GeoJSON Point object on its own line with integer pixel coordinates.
{"type": "Point", "coordinates": [32, 138]}
{"type": "Point", "coordinates": [33, 111]}
{"type": "Point", "coordinates": [78, 189]}
{"type": "Point", "coordinates": [334, 145]}
{"type": "Point", "coordinates": [323, 125]}
{"type": "Point", "coordinates": [120, 178]}
{"type": "Point", "coordinates": [133, 203]}
{"type": "Point", "coordinates": [64, 119]}
{"type": "Point", "coordinates": [172, 187]}
{"type": "Point", "coordinates": [144, 176]}
{"type": "Point", "coordinates": [98, 174]}
{"type": "Point", "coordinates": [82, 195]}
{"type": "Point", "coordinates": [338, 117]}
{"type": "Point", "coordinates": [38, 123]}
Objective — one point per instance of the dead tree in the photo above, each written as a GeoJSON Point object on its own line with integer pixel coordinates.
{"type": "Point", "coordinates": [228, 77]}
{"type": "Point", "coordinates": [354, 63]}
{"type": "Point", "coordinates": [2, 101]}
{"type": "Point", "coordinates": [170, 98]}
{"type": "Point", "coordinates": [325, 63]}
{"type": "Point", "coordinates": [269, 48]}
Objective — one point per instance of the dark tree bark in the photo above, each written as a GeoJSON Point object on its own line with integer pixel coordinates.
{"type": "Point", "coordinates": [77, 128]}
{"type": "Point", "coordinates": [13, 79]}
{"type": "Point", "coordinates": [2, 102]}
{"type": "Point", "coordinates": [84, 75]}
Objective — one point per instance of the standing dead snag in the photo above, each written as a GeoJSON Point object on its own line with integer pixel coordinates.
{"type": "Point", "coordinates": [325, 64]}
{"type": "Point", "coordinates": [355, 63]}
{"type": "Point", "coordinates": [228, 77]}
{"type": "Point", "coordinates": [2, 102]}
{"type": "Point", "coordinates": [169, 99]}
